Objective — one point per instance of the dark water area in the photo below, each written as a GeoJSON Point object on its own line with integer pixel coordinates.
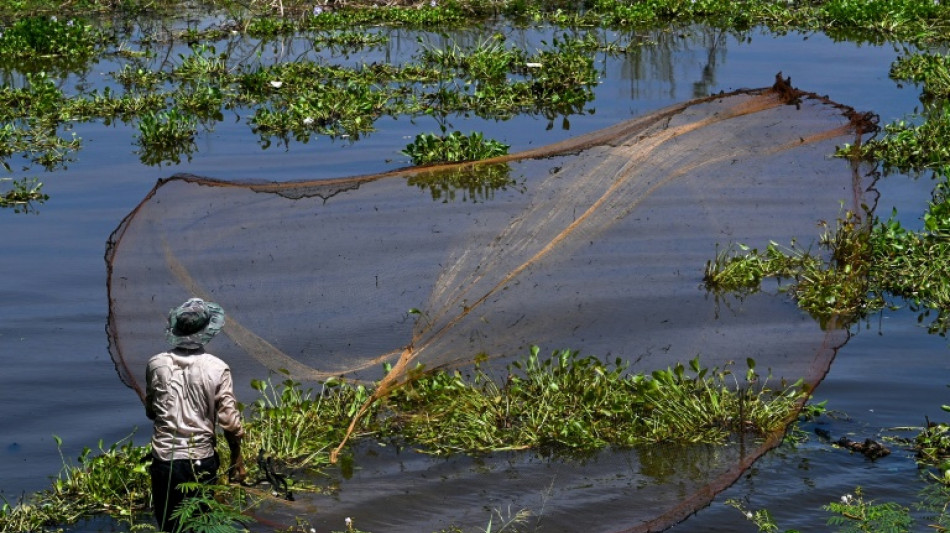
{"type": "Point", "coordinates": [58, 378]}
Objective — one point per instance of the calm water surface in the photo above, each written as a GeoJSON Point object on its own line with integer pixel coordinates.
{"type": "Point", "coordinates": [58, 378]}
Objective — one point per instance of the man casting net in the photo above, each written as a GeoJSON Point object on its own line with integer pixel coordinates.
{"type": "Point", "coordinates": [596, 244]}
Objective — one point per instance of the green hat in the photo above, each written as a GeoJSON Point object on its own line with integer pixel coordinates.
{"type": "Point", "coordinates": [194, 323]}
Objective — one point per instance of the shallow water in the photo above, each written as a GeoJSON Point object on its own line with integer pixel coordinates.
{"type": "Point", "coordinates": [58, 378]}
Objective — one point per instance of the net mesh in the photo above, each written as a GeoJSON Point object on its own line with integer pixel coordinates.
{"type": "Point", "coordinates": [597, 244]}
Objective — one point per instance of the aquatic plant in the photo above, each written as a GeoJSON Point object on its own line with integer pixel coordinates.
{"type": "Point", "coordinates": [23, 194]}
{"type": "Point", "coordinates": [866, 267]}
{"type": "Point", "coordinates": [491, 79]}
{"type": "Point", "coordinates": [298, 427]}
{"type": "Point", "coordinates": [833, 283]}
{"type": "Point", "coordinates": [38, 43]}
{"type": "Point", "coordinates": [455, 147]}
{"type": "Point", "coordinates": [114, 481]}
{"type": "Point", "coordinates": [606, 406]}
{"type": "Point", "coordinates": [885, 16]}
{"type": "Point", "coordinates": [851, 514]}
{"type": "Point", "coordinates": [214, 509]}
{"type": "Point", "coordinates": [165, 136]}
{"type": "Point", "coordinates": [914, 147]}
{"type": "Point", "coordinates": [932, 448]}
{"type": "Point", "coordinates": [931, 71]}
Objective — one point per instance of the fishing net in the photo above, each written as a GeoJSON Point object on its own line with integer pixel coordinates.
{"type": "Point", "coordinates": [596, 244]}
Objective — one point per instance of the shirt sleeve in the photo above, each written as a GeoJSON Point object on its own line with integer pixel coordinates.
{"type": "Point", "coordinates": [150, 390]}
{"type": "Point", "coordinates": [229, 417]}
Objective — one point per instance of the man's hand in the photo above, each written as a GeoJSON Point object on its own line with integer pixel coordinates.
{"type": "Point", "coordinates": [236, 472]}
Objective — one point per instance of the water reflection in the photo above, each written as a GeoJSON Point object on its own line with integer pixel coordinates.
{"type": "Point", "coordinates": [476, 184]}
{"type": "Point", "coordinates": [159, 79]}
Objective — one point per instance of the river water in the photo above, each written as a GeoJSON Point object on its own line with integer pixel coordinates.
{"type": "Point", "coordinates": [59, 380]}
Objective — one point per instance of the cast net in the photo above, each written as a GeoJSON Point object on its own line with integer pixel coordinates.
{"type": "Point", "coordinates": [596, 244]}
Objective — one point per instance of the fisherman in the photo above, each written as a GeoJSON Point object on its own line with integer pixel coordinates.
{"type": "Point", "coordinates": [188, 392]}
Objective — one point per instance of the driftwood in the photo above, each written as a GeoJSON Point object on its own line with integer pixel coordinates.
{"type": "Point", "coordinates": [869, 448]}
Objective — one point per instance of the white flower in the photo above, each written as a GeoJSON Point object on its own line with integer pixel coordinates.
{"type": "Point", "coordinates": [317, 10]}
{"type": "Point", "coordinates": [433, 3]}
{"type": "Point", "coordinates": [533, 65]}
{"type": "Point", "coordinates": [307, 121]}
{"type": "Point", "coordinates": [847, 499]}
{"type": "Point", "coordinates": [748, 514]}
{"type": "Point", "coordinates": [276, 84]}
{"type": "Point", "coordinates": [313, 530]}
{"type": "Point", "coordinates": [53, 18]}
{"type": "Point", "coordinates": [349, 523]}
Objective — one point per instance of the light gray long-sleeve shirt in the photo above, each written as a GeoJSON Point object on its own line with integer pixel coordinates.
{"type": "Point", "coordinates": [186, 394]}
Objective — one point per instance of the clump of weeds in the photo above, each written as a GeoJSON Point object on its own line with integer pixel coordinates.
{"type": "Point", "coordinates": [604, 404]}
{"type": "Point", "coordinates": [292, 429]}
{"type": "Point", "coordinates": [454, 147]}
{"type": "Point", "coordinates": [23, 194]}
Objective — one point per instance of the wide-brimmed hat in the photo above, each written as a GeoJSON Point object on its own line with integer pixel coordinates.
{"type": "Point", "coordinates": [194, 323]}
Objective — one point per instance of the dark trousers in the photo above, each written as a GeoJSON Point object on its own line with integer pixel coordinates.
{"type": "Point", "coordinates": [167, 475]}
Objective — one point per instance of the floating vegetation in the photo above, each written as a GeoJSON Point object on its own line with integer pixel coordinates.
{"type": "Point", "coordinates": [448, 412]}
{"type": "Point", "coordinates": [45, 43]}
{"type": "Point", "coordinates": [831, 281]}
{"type": "Point", "coordinates": [166, 136]}
{"type": "Point", "coordinates": [445, 413]}
{"type": "Point", "coordinates": [23, 194]}
{"type": "Point", "coordinates": [113, 481]}
{"type": "Point", "coordinates": [932, 71]}
{"type": "Point", "coordinates": [861, 267]}
{"type": "Point", "coordinates": [493, 79]}
{"type": "Point", "coordinates": [299, 427]}
{"type": "Point", "coordinates": [864, 270]}
{"type": "Point", "coordinates": [573, 404]}
{"type": "Point", "coordinates": [455, 147]}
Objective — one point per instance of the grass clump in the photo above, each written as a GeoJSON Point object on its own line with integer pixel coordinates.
{"type": "Point", "coordinates": [455, 147]}
{"type": "Point", "coordinates": [293, 429]}
{"type": "Point", "coordinates": [165, 136]}
{"type": "Point", "coordinates": [298, 426]}
{"type": "Point", "coordinates": [863, 267]}
{"type": "Point", "coordinates": [22, 195]}
{"type": "Point", "coordinates": [831, 281]}
{"type": "Point", "coordinates": [113, 481]}
{"type": "Point", "coordinates": [448, 412]}
{"type": "Point", "coordinates": [914, 147]}
{"type": "Point", "coordinates": [570, 403]}
{"type": "Point", "coordinates": [866, 269]}
{"type": "Point", "coordinates": [37, 43]}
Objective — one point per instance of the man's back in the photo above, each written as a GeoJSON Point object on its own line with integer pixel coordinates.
{"type": "Point", "coordinates": [187, 392]}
